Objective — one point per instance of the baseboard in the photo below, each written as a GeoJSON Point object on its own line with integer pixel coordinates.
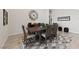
{"type": "Point", "coordinates": [74, 32]}
{"type": "Point", "coordinates": [15, 35]}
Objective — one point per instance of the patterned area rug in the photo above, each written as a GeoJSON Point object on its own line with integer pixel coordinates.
{"type": "Point", "coordinates": [16, 43]}
{"type": "Point", "coordinates": [50, 45]}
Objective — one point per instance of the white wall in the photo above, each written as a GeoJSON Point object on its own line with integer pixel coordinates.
{"type": "Point", "coordinates": [73, 24]}
{"type": "Point", "coordinates": [3, 30]}
{"type": "Point", "coordinates": [18, 17]}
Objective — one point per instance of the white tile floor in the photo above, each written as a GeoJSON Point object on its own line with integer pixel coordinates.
{"type": "Point", "coordinates": [16, 42]}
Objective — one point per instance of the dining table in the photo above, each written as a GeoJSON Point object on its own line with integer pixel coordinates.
{"type": "Point", "coordinates": [37, 31]}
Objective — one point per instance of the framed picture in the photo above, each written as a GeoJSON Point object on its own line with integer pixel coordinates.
{"type": "Point", "coordinates": [64, 18]}
{"type": "Point", "coordinates": [5, 17]}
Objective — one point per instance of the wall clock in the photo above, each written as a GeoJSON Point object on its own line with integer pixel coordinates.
{"type": "Point", "coordinates": [33, 15]}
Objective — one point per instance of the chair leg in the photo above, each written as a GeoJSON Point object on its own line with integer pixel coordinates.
{"type": "Point", "coordinates": [23, 46]}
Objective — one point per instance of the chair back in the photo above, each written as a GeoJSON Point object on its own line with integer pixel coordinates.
{"type": "Point", "coordinates": [49, 30]}
{"type": "Point", "coordinates": [23, 28]}
{"type": "Point", "coordinates": [52, 30]}
{"type": "Point", "coordinates": [29, 24]}
{"type": "Point", "coordinates": [55, 27]}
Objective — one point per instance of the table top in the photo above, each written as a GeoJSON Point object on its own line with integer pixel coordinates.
{"type": "Point", "coordinates": [36, 29]}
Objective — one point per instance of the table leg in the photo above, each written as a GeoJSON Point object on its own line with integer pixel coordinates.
{"type": "Point", "coordinates": [39, 33]}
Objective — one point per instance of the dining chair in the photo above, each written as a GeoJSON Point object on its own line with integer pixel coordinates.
{"type": "Point", "coordinates": [28, 39]}
{"type": "Point", "coordinates": [48, 35]}
{"type": "Point", "coordinates": [51, 32]}
{"type": "Point", "coordinates": [55, 28]}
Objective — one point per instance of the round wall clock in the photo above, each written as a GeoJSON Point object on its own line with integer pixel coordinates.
{"type": "Point", "coordinates": [33, 15]}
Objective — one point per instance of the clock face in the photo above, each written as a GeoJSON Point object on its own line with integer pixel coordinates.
{"type": "Point", "coordinates": [33, 15]}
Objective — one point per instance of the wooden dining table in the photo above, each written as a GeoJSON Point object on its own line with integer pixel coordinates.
{"type": "Point", "coordinates": [37, 31]}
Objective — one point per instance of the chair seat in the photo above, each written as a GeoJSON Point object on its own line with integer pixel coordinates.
{"type": "Point", "coordinates": [43, 35]}
{"type": "Point", "coordinates": [30, 36]}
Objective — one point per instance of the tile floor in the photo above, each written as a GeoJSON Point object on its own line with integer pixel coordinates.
{"type": "Point", "coordinates": [15, 42]}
